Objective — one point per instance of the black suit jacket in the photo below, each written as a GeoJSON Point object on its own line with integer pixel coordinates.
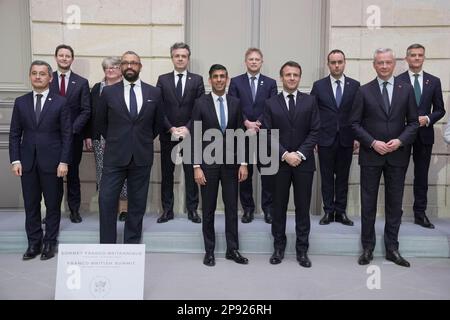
{"type": "Point", "coordinates": [127, 138]}
{"type": "Point", "coordinates": [78, 100]}
{"type": "Point", "coordinates": [298, 134]}
{"type": "Point", "coordinates": [371, 122]}
{"type": "Point", "coordinates": [47, 141]}
{"type": "Point", "coordinates": [91, 130]}
{"type": "Point", "coordinates": [178, 113]}
{"type": "Point", "coordinates": [332, 118]}
{"type": "Point", "coordinates": [205, 112]}
{"type": "Point", "coordinates": [240, 88]}
{"type": "Point", "coordinates": [431, 104]}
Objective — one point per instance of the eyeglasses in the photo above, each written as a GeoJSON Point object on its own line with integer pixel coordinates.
{"type": "Point", "coordinates": [131, 63]}
{"type": "Point", "coordinates": [112, 68]}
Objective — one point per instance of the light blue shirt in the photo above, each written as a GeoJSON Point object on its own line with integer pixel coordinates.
{"type": "Point", "coordinates": [389, 87]}
{"type": "Point", "coordinates": [256, 81]}
{"type": "Point", "coordinates": [217, 106]}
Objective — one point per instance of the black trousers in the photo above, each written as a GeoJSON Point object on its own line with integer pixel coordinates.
{"type": "Point", "coordinates": [394, 182]}
{"type": "Point", "coordinates": [73, 175]}
{"type": "Point", "coordinates": [167, 169]}
{"type": "Point", "coordinates": [138, 178]}
{"type": "Point", "coordinates": [302, 182]}
{"type": "Point", "coordinates": [422, 159]}
{"type": "Point", "coordinates": [228, 177]}
{"type": "Point", "coordinates": [34, 184]}
{"type": "Point", "coordinates": [335, 162]}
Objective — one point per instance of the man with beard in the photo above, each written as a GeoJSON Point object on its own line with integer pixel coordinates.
{"type": "Point", "coordinates": [76, 90]}
{"type": "Point", "coordinates": [129, 117]}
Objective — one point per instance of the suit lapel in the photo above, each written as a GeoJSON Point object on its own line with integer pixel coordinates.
{"type": "Point", "coordinates": [71, 83]}
{"type": "Point", "coordinates": [145, 98]}
{"type": "Point", "coordinates": [346, 92]}
{"type": "Point", "coordinates": [375, 89]}
{"type": "Point", "coordinates": [47, 105]}
{"type": "Point", "coordinates": [396, 92]}
{"type": "Point", "coordinates": [212, 111]}
{"type": "Point", "coordinates": [30, 108]}
{"type": "Point", "coordinates": [121, 99]}
{"type": "Point", "coordinates": [329, 89]}
{"type": "Point", "coordinates": [426, 86]}
{"type": "Point", "coordinates": [283, 105]}
{"type": "Point", "coordinates": [187, 85]}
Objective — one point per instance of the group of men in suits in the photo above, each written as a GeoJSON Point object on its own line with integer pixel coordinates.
{"type": "Point", "coordinates": [380, 119]}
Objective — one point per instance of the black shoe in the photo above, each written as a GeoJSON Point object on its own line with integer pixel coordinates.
{"type": "Point", "coordinates": [75, 217]}
{"type": "Point", "coordinates": [209, 260]}
{"type": "Point", "coordinates": [303, 260]}
{"type": "Point", "coordinates": [396, 258]}
{"type": "Point", "coordinates": [267, 216]}
{"type": "Point", "coordinates": [342, 218]}
{"type": "Point", "coordinates": [327, 218]}
{"type": "Point", "coordinates": [194, 217]}
{"type": "Point", "coordinates": [247, 217]}
{"type": "Point", "coordinates": [166, 216]}
{"type": "Point", "coordinates": [277, 256]}
{"type": "Point", "coordinates": [424, 222]}
{"type": "Point", "coordinates": [123, 216]}
{"type": "Point", "coordinates": [235, 256]}
{"type": "Point", "coordinates": [365, 257]}
{"type": "Point", "coordinates": [32, 252]}
{"type": "Point", "coordinates": [48, 252]}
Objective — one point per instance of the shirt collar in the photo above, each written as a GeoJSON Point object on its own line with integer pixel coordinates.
{"type": "Point", "coordinates": [411, 74]}
{"type": "Point", "coordinates": [285, 94]}
{"type": "Point", "coordinates": [256, 76]}
{"type": "Point", "coordinates": [341, 79]}
{"type": "Point", "coordinates": [67, 74]}
{"type": "Point", "coordinates": [390, 81]}
{"type": "Point", "coordinates": [44, 93]}
{"type": "Point", "coordinates": [176, 73]}
{"type": "Point", "coordinates": [128, 83]}
{"type": "Point", "coordinates": [215, 96]}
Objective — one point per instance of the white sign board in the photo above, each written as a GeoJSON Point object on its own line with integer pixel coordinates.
{"type": "Point", "coordinates": [100, 271]}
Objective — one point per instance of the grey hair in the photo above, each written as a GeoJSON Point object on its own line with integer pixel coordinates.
{"type": "Point", "coordinates": [110, 61]}
{"type": "Point", "coordinates": [41, 63]}
{"type": "Point", "coordinates": [383, 50]}
{"type": "Point", "coordinates": [180, 45]}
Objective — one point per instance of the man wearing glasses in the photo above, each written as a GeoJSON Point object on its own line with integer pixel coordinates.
{"type": "Point", "coordinates": [129, 117]}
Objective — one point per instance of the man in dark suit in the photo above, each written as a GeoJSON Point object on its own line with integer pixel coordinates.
{"type": "Point", "coordinates": [129, 117]}
{"type": "Point", "coordinates": [39, 150]}
{"type": "Point", "coordinates": [219, 115]}
{"type": "Point", "coordinates": [252, 89]}
{"type": "Point", "coordinates": [428, 94]}
{"type": "Point", "coordinates": [296, 116]}
{"type": "Point", "coordinates": [384, 117]}
{"type": "Point", "coordinates": [335, 95]}
{"type": "Point", "coordinates": [76, 90]}
{"type": "Point", "coordinates": [179, 90]}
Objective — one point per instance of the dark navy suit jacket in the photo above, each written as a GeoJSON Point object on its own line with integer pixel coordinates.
{"type": "Point", "coordinates": [240, 88]}
{"type": "Point", "coordinates": [431, 104]}
{"type": "Point", "coordinates": [371, 122]}
{"type": "Point", "coordinates": [128, 138]}
{"type": "Point", "coordinates": [332, 118]}
{"type": "Point", "coordinates": [46, 142]}
{"type": "Point", "coordinates": [78, 100]}
{"type": "Point", "coordinates": [298, 134]}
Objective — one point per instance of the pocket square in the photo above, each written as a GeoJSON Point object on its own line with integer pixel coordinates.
{"type": "Point", "coordinates": [149, 100]}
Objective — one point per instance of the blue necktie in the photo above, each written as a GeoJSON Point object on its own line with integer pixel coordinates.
{"type": "Point", "coordinates": [386, 102]}
{"type": "Point", "coordinates": [253, 87]}
{"type": "Point", "coordinates": [38, 106]}
{"type": "Point", "coordinates": [291, 105]}
{"type": "Point", "coordinates": [179, 86]}
{"type": "Point", "coordinates": [338, 93]}
{"type": "Point", "coordinates": [223, 121]}
{"type": "Point", "coordinates": [133, 102]}
{"type": "Point", "coordinates": [417, 92]}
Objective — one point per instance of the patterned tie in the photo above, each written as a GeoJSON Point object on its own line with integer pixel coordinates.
{"type": "Point", "coordinates": [253, 87]}
{"type": "Point", "coordinates": [291, 105]}
{"type": "Point", "coordinates": [386, 103]}
{"type": "Point", "coordinates": [133, 102]}
{"type": "Point", "coordinates": [179, 86]}
{"type": "Point", "coordinates": [338, 93]}
{"type": "Point", "coordinates": [38, 106]}
{"type": "Point", "coordinates": [417, 92]}
{"type": "Point", "coordinates": [62, 89]}
{"type": "Point", "coordinates": [223, 121]}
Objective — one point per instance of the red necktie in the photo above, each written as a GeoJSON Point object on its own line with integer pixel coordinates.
{"type": "Point", "coordinates": [62, 89]}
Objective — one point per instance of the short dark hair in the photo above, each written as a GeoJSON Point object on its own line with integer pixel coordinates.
{"type": "Point", "coordinates": [64, 46]}
{"type": "Point", "coordinates": [41, 63]}
{"type": "Point", "coordinates": [415, 46]}
{"type": "Point", "coordinates": [180, 45]}
{"type": "Point", "coordinates": [216, 67]}
{"type": "Point", "coordinates": [334, 51]}
{"type": "Point", "coordinates": [290, 64]}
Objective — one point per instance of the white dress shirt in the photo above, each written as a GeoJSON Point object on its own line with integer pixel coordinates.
{"type": "Point", "coordinates": [389, 87]}
{"type": "Point", "coordinates": [183, 79]}
{"type": "Point", "coordinates": [137, 91]}
{"type": "Point", "coordinates": [334, 84]}
{"type": "Point", "coordinates": [66, 79]}
{"type": "Point", "coordinates": [256, 81]}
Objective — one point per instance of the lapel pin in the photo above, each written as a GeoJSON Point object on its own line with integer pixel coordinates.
{"type": "Point", "coordinates": [189, 78]}
{"type": "Point", "coordinates": [73, 82]}
{"type": "Point", "coordinates": [49, 99]}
